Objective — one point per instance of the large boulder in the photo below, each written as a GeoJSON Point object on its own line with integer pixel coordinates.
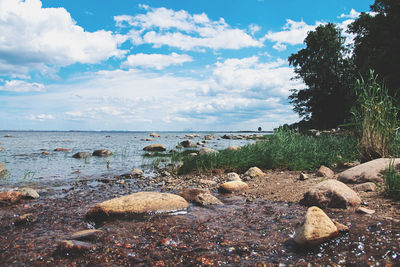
{"type": "Point", "coordinates": [137, 204]}
{"type": "Point", "coordinates": [331, 193]}
{"type": "Point", "coordinates": [3, 169]}
{"type": "Point", "coordinates": [81, 155]}
{"type": "Point", "coordinates": [233, 186]}
{"type": "Point", "coordinates": [155, 148]}
{"type": "Point", "coordinates": [316, 228]}
{"type": "Point", "coordinates": [370, 171]}
{"type": "Point", "coordinates": [102, 153]}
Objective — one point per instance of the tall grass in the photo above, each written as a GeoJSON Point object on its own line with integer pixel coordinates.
{"type": "Point", "coordinates": [284, 149]}
{"type": "Point", "coordinates": [392, 182]}
{"type": "Point", "coordinates": [375, 117]}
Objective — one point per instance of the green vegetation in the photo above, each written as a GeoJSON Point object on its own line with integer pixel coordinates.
{"type": "Point", "coordinates": [392, 182]}
{"type": "Point", "coordinates": [284, 149]}
{"type": "Point", "coordinates": [375, 118]}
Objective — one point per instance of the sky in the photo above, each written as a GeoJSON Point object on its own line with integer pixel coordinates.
{"type": "Point", "coordinates": [166, 65]}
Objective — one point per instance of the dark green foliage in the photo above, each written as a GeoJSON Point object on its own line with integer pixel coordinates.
{"type": "Point", "coordinates": [284, 149]}
{"type": "Point", "coordinates": [328, 74]}
{"type": "Point", "coordinates": [377, 42]}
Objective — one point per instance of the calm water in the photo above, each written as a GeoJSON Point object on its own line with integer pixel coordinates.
{"type": "Point", "coordinates": [26, 164]}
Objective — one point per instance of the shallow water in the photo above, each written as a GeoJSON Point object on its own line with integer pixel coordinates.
{"type": "Point", "coordinates": [26, 164]}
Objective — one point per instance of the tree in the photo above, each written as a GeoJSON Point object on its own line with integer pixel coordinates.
{"type": "Point", "coordinates": [377, 42]}
{"type": "Point", "coordinates": [327, 71]}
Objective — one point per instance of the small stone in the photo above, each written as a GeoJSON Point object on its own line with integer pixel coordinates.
{"type": "Point", "coordinates": [254, 172]}
{"type": "Point", "coordinates": [233, 186]}
{"type": "Point", "coordinates": [3, 169]}
{"type": "Point", "coordinates": [233, 148]}
{"type": "Point", "coordinates": [365, 187]}
{"type": "Point", "coordinates": [207, 150]}
{"type": "Point", "coordinates": [192, 154]}
{"type": "Point", "coordinates": [233, 176]}
{"type": "Point", "coordinates": [206, 199]}
{"type": "Point", "coordinates": [325, 172]}
{"type": "Point", "coordinates": [190, 194]}
{"type": "Point", "coordinates": [91, 234]}
{"type": "Point", "coordinates": [75, 247]}
{"type": "Point", "coordinates": [62, 149]}
{"type": "Point", "coordinates": [303, 176]}
{"type": "Point", "coordinates": [207, 182]}
{"type": "Point", "coordinates": [28, 192]}
{"type": "Point", "coordinates": [25, 219]}
{"type": "Point", "coordinates": [364, 210]}
{"type": "Point", "coordinates": [188, 144]}
{"type": "Point", "coordinates": [1, 149]}
{"type": "Point", "coordinates": [102, 153]}
{"type": "Point", "coordinates": [10, 197]}
{"type": "Point", "coordinates": [155, 135]}
{"type": "Point", "coordinates": [341, 227]}
{"type": "Point", "coordinates": [45, 153]}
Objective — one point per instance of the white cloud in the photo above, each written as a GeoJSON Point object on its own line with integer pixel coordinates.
{"type": "Point", "coordinates": [352, 15]}
{"type": "Point", "coordinates": [254, 28]}
{"type": "Point", "coordinates": [22, 86]}
{"type": "Point", "coordinates": [162, 26]}
{"type": "Point", "coordinates": [41, 117]}
{"type": "Point", "coordinates": [33, 37]}
{"type": "Point", "coordinates": [294, 33]}
{"type": "Point", "coordinates": [156, 61]}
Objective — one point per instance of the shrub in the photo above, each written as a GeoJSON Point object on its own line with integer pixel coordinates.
{"type": "Point", "coordinates": [375, 117]}
{"type": "Point", "coordinates": [392, 182]}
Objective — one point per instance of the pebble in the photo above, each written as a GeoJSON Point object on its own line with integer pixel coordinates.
{"type": "Point", "coordinates": [365, 211]}
{"type": "Point", "coordinates": [25, 219]}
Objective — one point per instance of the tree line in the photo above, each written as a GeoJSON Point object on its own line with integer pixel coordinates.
{"type": "Point", "coordinates": [329, 68]}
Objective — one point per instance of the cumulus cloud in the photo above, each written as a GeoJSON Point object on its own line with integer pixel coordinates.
{"type": "Point", "coordinates": [22, 86]}
{"type": "Point", "coordinates": [352, 15]}
{"type": "Point", "coordinates": [180, 29]}
{"type": "Point", "coordinates": [293, 33]}
{"type": "Point", "coordinates": [33, 37]}
{"type": "Point", "coordinates": [156, 61]}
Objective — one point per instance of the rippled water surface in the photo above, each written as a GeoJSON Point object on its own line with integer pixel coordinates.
{"type": "Point", "coordinates": [25, 162]}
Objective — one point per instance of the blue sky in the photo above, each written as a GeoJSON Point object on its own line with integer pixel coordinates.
{"type": "Point", "coordinates": [155, 65]}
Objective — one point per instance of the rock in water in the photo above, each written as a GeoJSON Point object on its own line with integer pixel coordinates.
{"type": "Point", "coordinates": [233, 186]}
{"type": "Point", "coordinates": [63, 149]}
{"type": "Point", "coordinates": [3, 169]}
{"type": "Point", "coordinates": [155, 147]}
{"type": "Point", "coordinates": [331, 193]}
{"type": "Point", "coordinates": [200, 196]}
{"type": "Point", "coordinates": [137, 172]}
{"type": "Point", "coordinates": [25, 219]}
{"type": "Point", "coordinates": [137, 204]}
{"type": "Point", "coordinates": [75, 247]}
{"type": "Point", "coordinates": [91, 234]}
{"type": "Point", "coordinates": [325, 172]}
{"type": "Point", "coordinates": [316, 228]}
{"type": "Point", "coordinates": [28, 192]}
{"type": "Point", "coordinates": [81, 155]}
{"type": "Point", "coordinates": [102, 153]}
{"type": "Point", "coordinates": [207, 150]}
{"type": "Point", "coordinates": [254, 172]}
{"type": "Point", "coordinates": [370, 171]}
{"type": "Point", "coordinates": [10, 197]}
{"type": "Point", "coordinates": [155, 135]}
{"type": "Point", "coordinates": [188, 144]}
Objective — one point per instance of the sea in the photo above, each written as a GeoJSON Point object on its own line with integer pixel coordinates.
{"type": "Point", "coordinates": [26, 164]}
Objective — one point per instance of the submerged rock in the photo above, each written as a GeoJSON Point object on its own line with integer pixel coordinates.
{"type": "Point", "coordinates": [254, 172]}
{"type": "Point", "coordinates": [155, 147]}
{"type": "Point", "coordinates": [137, 204]}
{"type": "Point", "coordinates": [75, 247]}
{"type": "Point", "coordinates": [81, 155]}
{"type": "Point", "coordinates": [324, 171]}
{"type": "Point", "coordinates": [370, 171]}
{"type": "Point", "coordinates": [233, 186]}
{"type": "Point", "coordinates": [331, 193]}
{"type": "Point", "coordinates": [91, 234]}
{"type": "Point", "coordinates": [199, 196]}
{"type": "Point", "coordinates": [316, 228]}
{"type": "Point", "coordinates": [25, 219]}
{"type": "Point", "coordinates": [63, 149]}
{"type": "Point", "coordinates": [102, 153]}
{"type": "Point", "coordinates": [10, 197]}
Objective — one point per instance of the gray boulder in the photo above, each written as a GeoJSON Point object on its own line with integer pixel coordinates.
{"type": "Point", "coordinates": [81, 155]}
{"type": "Point", "coordinates": [331, 193]}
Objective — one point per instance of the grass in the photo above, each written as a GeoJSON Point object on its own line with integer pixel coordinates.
{"type": "Point", "coordinates": [392, 182]}
{"type": "Point", "coordinates": [284, 149]}
{"type": "Point", "coordinates": [375, 117]}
